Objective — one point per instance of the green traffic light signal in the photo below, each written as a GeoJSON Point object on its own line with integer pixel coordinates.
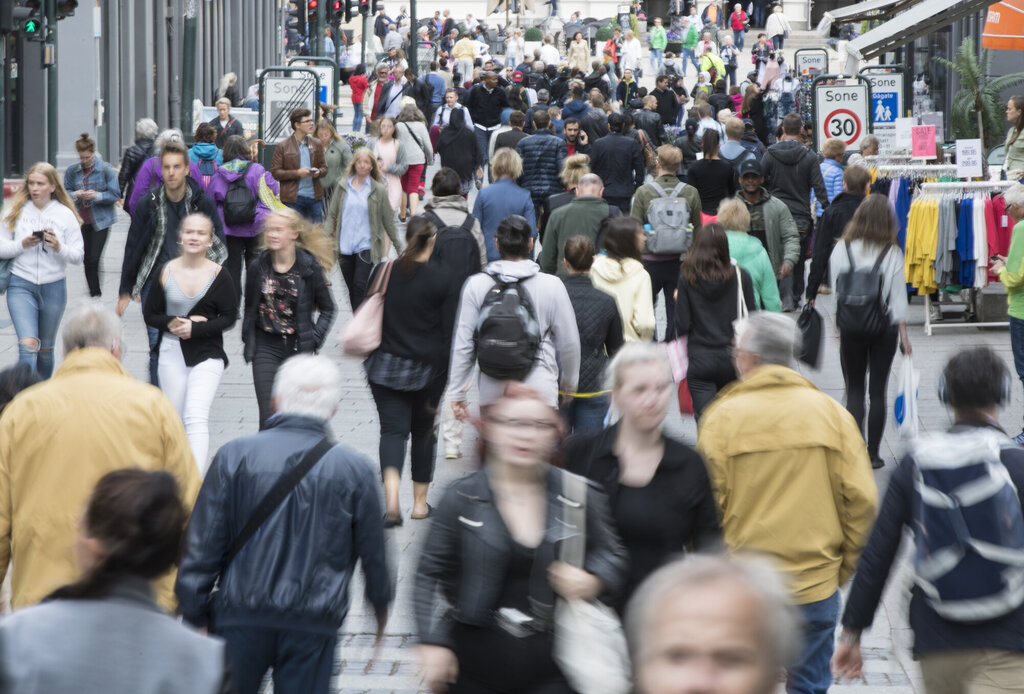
{"type": "Point", "coordinates": [32, 26]}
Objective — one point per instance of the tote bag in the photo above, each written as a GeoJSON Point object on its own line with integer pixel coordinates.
{"type": "Point", "coordinates": [362, 335]}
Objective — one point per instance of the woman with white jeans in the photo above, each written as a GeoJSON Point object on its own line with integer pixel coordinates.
{"type": "Point", "coordinates": [41, 232]}
{"type": "Point", "coordinates": [192, 305]}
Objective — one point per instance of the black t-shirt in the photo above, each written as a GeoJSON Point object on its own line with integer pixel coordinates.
{"type": "Point", "coordinates": [176, 211]}
{"type": "Point", "coordinates": [714, 180]}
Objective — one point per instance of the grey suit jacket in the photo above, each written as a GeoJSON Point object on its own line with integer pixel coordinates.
{"type": "Point", "coordinates": [122, 643]}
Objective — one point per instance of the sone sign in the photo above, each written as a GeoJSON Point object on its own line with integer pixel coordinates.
{"type": "Point", "coordinates": [843, 111]}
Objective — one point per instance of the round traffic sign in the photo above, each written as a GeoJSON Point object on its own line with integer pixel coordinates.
{"type": "Point", "coordinates": [844, 124]}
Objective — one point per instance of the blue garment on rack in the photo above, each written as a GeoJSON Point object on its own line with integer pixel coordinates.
{"type": "Point", "coordinates": [965, 242]}
{"type": "Point", "coordinates": [902, 207]}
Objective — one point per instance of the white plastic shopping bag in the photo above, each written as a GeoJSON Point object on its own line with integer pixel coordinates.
{"type": "Point", "coordinates": [905, 407]}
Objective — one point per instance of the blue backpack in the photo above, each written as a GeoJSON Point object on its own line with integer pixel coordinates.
{"type": "Point", "coordinates": [968, 526]}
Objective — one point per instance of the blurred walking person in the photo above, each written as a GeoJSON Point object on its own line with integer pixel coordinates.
{"type": "Point", "coordinates": [92, 184]}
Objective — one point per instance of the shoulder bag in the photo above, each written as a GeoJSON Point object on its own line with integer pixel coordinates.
{"type": "Point", "coordinates": [6, 266]}
{"type": "Point", "coordinates": [590, 646]}
{"type": "Point", "coordinates": [741, 305]}
{"type": "Point", "coordinates": [362, 334]}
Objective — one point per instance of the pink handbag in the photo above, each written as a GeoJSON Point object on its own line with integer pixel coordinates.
{"type": "Point", "coordinates": [362, 335]}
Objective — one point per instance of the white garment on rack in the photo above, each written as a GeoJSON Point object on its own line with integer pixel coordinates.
{"type": "Point", "coordinates": [980, 241]}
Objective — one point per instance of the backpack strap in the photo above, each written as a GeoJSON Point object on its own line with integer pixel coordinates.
{"type": "Point", "coordinates": [677, 190]}
{"type": "Point", "coordinates": [849, 255]}
{"type": "Point", "coordinates": [467, 223]}
{"type": "Point", "coordinates": [881, 257]}
{"type": "Point", "coordinates": [434, 218]}
{"type": "Point", "coordinates": [661, 191]}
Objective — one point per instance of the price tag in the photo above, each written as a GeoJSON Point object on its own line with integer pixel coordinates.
{"type": "Point", "coordinates": [968, 158]}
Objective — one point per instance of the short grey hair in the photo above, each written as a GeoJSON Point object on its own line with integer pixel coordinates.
{"type": "Point", "coordinates": [146, 129]}
{"type": "Point", "coordinates": [634, 353]}
{"type": "Point", "coordinates": [308, 385]}
{"type": "Point", "coordinates": [91, 325]}
{"type": "Point", "coordinates": [169, 135]}
{"type": "Point", "coordinates": [1015, 195]}
{"type": "Point", "coordinates": [869, 142]}
{"type": "Point", "coordinates": [773, 337]}
{"type": "Point", "coordinates": [590, 180]}
{"type": "Point", "coordinates": [779, 622]}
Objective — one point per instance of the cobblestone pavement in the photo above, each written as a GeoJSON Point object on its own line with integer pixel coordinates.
{"type": "Point", "coordinates": [889, 667]}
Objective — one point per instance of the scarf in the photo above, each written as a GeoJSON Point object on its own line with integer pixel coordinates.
{"type": "Point", "coordinates": [218, 252]}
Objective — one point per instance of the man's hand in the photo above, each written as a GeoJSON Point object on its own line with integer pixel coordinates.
{"type": "Point", "coordinates": [571, 582]}
{"type": "Point", "coordinates": [304, 172]}
{"type": "Point", "coordinates": [440, 667]}
{"type": "Point", "coordinates": [847, 661]}
{"type": "Point", "coordinates": [786, 270]}
{"type": "Point", "coordinates": [461, 410]}
{"type": "Point", "coordinates": [122, 303]}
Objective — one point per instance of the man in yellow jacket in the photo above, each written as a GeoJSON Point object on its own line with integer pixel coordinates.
{"type": "Point", "coordinates": [58, 438]}
{"type": "Point", "coordinates": [792, 480]}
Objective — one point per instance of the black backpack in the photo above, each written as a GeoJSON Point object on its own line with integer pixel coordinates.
{"type": "Point", "coordinates": [456, 249]}
{"type": "Point", "coordinates": [507, 335]}
{"type": "Point", "coordinates": [239, 202]}
{"type": "Point", "coordinates": [860, 299]}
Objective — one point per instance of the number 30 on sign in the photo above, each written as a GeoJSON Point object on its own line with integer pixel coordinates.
{"type": "Point", "coordinates": [844, 124]}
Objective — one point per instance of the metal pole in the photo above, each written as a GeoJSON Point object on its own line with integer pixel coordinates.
{"type": "Point", "coordinates": [4, 82]}
{"type": "Point", "coordinates": [188, 68]}
{"type": "Point", "coordinates": [176, 87]}
{"type": "Point", "coordinates": [321, 22]}
{"type": "Point", "coordinates": [51, 84]}
{"type": "Point", "coordinates": [414, 38]}
{"type": "Point", "coordinates": [362, 58]}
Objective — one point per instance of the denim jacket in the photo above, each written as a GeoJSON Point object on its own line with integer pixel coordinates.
{"type": "Point", "coordinates": [104, 181]}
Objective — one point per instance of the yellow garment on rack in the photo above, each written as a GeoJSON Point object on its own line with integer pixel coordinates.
{"type": "Point", "coordinates": [922, 240]}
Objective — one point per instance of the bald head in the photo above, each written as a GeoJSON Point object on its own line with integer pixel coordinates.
{"type": "Point", "coordinates": [590, 184]}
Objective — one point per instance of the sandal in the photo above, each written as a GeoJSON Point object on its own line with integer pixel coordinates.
{"type": "Point", "coordinates": [392, 521]}
{"type": "Point", "coordinates": [418, 516]}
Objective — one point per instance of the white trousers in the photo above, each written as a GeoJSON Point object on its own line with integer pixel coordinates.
{"type": "Point", "coordinates": [191, 390]}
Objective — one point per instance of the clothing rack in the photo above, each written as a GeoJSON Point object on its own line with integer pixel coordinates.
{"type": "Point", "coordinates": [929, 326]}
{"type": "Point", "coordinates": [920, 170]}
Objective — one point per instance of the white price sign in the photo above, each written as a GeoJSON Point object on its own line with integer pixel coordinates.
{"type": "Point", "coordinates": [968, 158]}
{"type": "Point", "coordinates": [843, 111]}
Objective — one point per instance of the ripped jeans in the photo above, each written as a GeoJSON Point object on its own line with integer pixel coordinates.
{"type": "Point", "coordinates": [36, 310]}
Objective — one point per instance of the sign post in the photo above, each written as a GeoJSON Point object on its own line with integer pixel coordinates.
{"type": "Point", "coordinates": [842, 108]}
{"type": "Point", "coordinates": [807, 60]}
{"type": "Point", "coordinates": [327, 70]}
{"type": "Point", "coordinates": [282, 90]}
{"type": "Point", "coordinates": [889, 86]}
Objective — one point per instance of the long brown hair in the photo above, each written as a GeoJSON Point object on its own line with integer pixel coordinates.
{"type": "Point", "coordinates": [873, 222]}
{"type": "Point", "coordinates": [708, 257]}
{"type": "Point", "coordinates": [21, 198]}
{"type": "Point", "coordinates": [418, 233]}
{"type": "Point", "coordinates": [618, 238]}
{"type": "Point", "coordinates": [1018, 125]}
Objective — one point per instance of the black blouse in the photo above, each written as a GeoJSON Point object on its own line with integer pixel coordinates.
{"type": "Point", "coordinates": [675, 512]}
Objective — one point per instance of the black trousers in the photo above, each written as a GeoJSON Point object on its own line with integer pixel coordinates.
{"type": "Point", "coordinates": [355, 270]}
{"type": "Point", "coordinates": [792, 287]}
{"type": "Point", "coordinates": [94, 240]}
{"type": "Point", "coordinates": [622, 203]}
{"type": "Point", "coordinates": [665, 279]}
{"type": "Point", "coordinates": [403, 414]}
{"type": "Point", "coordinates": [271, 352]}
{"type": "Point", "coordinates": [858, 357]}
{"type": "Point", "coordinates": [241, 248]}
{"type": "Point", "coordinates": [707, 374]}
{"type": "Point", "coordinates": [302, 661]}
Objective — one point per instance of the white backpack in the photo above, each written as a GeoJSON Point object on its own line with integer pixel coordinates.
{"type": "Point", "coordinates": [669, 220]}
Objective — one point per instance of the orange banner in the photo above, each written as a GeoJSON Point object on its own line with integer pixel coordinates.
{"type": "Point", "coordinates": [1004, 26]}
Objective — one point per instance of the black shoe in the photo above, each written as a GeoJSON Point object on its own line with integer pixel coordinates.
{"type": "Point", "coordinates": [392, 521]}
{"type": "Point", "coordinates": [877, 463]}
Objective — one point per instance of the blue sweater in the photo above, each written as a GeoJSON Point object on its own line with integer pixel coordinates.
{"type": "Point", "coordinates": [497, 201]}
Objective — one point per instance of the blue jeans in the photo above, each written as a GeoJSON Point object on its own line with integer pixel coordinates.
{"type": "Point", "coordinates": [657, 57]}
{"type": "Point", "coordinates": [310, 208]}
{"type": "Point", "coordinates": [36, 310]}
{"type": "Point", "coordinates": [737, 38]}
{"type": "Point", "coordinates": [586, 414]}
{"type": "Point", "coordinates": [302, 660]}
{"type": "Point", "coordinates": [812, 674]}
{"type": "Point", "coordinates": [483, 140]}
{"type": "Point", "coordinates": [357, 119]}
{"type": "Point", "coordinates": [1016, 344]}
{"type": "Point", "coordinates": [759, 11]}
{"type": "Point", "coordinates": [690, 57]}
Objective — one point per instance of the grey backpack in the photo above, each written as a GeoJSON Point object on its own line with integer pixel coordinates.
{"type": "Point", "coordinates": [669, 220]}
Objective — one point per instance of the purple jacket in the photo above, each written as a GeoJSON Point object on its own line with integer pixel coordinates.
{"type": "Point", "coordinates": [150, 175]}
{"type": "Point", "coordinates": [219, 188]}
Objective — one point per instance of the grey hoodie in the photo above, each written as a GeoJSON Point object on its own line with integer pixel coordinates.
{"type": "Point", "coordinates": [558, 361]}
{"type": "Point", "coordinates": [452, 209]}
{"type": "Point", "coordinates": [790, 171]}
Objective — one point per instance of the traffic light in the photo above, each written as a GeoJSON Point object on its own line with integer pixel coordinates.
{"type": "Point", "coordinates": [297, 18]}
{"type": "Point", "coordinates": [340, 12]}
{"type": "Point", "coordinates": [311, 18]}
{"type": "Point", "coordinates": [33, 28]}
{"type": "Point", "coordinates": [66, 8]}
{"type": "Point", "coordinates": [364, 7]}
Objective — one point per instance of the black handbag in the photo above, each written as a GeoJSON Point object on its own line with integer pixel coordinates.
{"type": "Point", "coordinates": [812, 329]}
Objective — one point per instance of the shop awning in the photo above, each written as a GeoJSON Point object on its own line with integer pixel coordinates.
{"type": "Point", "coordinates": [872, 9]}
{"type": "Point", "coordinates": [1004, 26]}
{"type": "Point", "coordinates": [916, 22]}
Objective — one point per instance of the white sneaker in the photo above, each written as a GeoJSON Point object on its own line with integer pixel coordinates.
{"type": "Point", "coordinates": [452, 453]}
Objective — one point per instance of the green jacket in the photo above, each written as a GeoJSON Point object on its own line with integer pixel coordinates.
{"type": "Point", "coordinates": [581, 217]}
{"type": "Point", "coordinates": [692, 38]}
{"type": "Point", "coordinates": [382, 218]}
{"type": "Point", "coordinates": [338, 156]}
{"type": "Point", "coordinates": [659, 38]}
{"type": "Point", "coordinates": [750, 255]}
{"type": "Point", "coordinates": [780, 230]}
{"type": "Point", "coordinates": [645, 194]}
{"type": "Point", "coordinates": [1012, 275]}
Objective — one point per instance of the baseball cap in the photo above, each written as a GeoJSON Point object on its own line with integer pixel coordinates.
{"type": "Point", "coordinates": [517, 76]}
{"type": "Point", "coordinates": [750, 166]}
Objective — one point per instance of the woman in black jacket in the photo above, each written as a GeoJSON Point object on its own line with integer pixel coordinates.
{"type": "Point", "coordinates": [689, 144]}
{"type": "Point", "coordinates": [658, 488]}
{"type": "Point", "coordinates": [713, 178]}
{"type": "Point", "coordinates": [285, 288]}
{"type": "Point", "coordinates": [490, 556]}
{"type": "Point", "coordinates": [408, 372]}
{"type": "Point", "coordinates": [192, 304]}
{"type": "Point", "coordinates": [709, 298]}
{"type": "Point", "coordinates": [600, 328]}
{"type": "Point", "coordinates": [459, 150]}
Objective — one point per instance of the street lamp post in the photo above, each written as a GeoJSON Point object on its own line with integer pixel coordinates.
{"type": "Point", "coordinates": [51, 82]}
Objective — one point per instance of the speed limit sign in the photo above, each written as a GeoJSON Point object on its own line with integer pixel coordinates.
{"type": "Point", "coordinates": [842, 109]}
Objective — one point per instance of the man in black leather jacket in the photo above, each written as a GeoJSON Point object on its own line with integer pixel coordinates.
{"type": "Point", "coordinates": [283, 598]}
